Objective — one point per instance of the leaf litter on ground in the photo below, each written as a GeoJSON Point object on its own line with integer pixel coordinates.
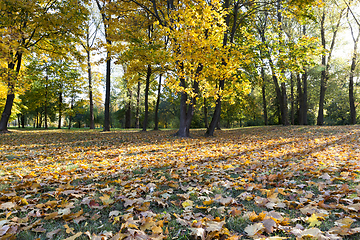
{"type": "Point", "coordinates": [252, 183]}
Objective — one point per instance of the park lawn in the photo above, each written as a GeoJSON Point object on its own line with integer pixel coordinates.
{"type": "Point", "coordinates": [269, 182]}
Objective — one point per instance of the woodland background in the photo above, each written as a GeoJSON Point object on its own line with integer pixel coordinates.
{"type": "Point", "coordinates": [178, 64]}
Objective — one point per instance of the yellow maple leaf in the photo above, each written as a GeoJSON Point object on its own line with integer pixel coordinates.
{"type": "Point", "coordinates": [313, 220]}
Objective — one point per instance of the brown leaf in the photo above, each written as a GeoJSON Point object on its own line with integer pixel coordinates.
{"type": "Point", "coordinates": [74, 236]}
{"type": "Point", "coordinates": [7, 205]}
{"type": "Point", "coordinates": [51, 234]}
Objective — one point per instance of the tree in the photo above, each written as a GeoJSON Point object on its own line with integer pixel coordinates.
{"type": "Point", "coordinates": [25, 25]}
{"type": "Point", "coordinates": [103, 7]}
{"type": "Point", "coordinates": [326, 56]}
{"type": "Point", "coordinates": [91, 28]}
{"type": "Point", "coordinates": [355, 38]}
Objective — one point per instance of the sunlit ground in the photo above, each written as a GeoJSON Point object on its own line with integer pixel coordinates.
{"type": "Point", "coordinates": [289, 182]}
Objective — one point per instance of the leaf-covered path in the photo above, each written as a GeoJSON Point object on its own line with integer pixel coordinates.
{"type": "Point", "coordinates": [267, 182]}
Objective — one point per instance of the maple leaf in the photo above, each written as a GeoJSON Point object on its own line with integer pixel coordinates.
{"type": "Point", "coordinates": [313, 220]}
{"type": "Point", "coordinates": [187, 204]}
{"type": "Point", "coordinates": [254, 229]}
{"type": "Point", "coordinates": [106, 200]}
{"type": "Point", "coordinates": [198, 233]}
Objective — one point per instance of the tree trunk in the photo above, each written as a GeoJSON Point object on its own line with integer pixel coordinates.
{"type": "Point", "coordinates": [107, 91]}
{"type": "Point", "coordinates": [263, 89]}
{"type": "Point", "coordinates": [183, 98]}
{"type": "Point", "coordinates": [206, 122]}
{"type": "Point", "coordinates": [147, 86]}
{"type": "Point", "coordinates": [299, 99]}
{"type": "Point", "coordinates": [18, 120]}
{"type": "Point", "coordinates": [23, 120]}
{"type": "Point", "coordinates": [187, 110]}
{"type": "Point", "coordinates": [215, 121]}
{"type": "Point", "coordinates": [351, 77]}
{"type": "Point", "coordinates": [60, 109]}
{"type": "Point", "coordinates": [71, 107]}
{"type": "Point", "coordinates": [157, 105]}
{"type": "Point", "coordinates": [292, 114]}
{"type": "Point", "coordinates": [46, 103]}
{"type": "Point", "coordinates": [137, 123]}
{"type": "Point", "coordinates": [5, 116]}
{"type": "Point", "coordinates": [284, 110]}
{"type": "Point", "coordinates": [92, 122]}
{"type": "Point", "coordinates": [304, 104]}
{"type": "Point", "coordinates": [128, 109]}
{"type": "Point", "coordinates": [320, 118]}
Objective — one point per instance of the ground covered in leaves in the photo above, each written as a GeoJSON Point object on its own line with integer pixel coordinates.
{"type": "Point", "coordinates": [253, 183]}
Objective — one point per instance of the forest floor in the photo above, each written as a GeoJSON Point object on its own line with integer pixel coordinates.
{"type": "Point", "coordinates": [252, 183]}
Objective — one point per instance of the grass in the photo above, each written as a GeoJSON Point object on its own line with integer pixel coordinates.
{"type": "Point", "coordinates": [130, 182]}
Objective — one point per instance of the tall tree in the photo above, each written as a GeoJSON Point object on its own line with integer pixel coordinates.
{"type": "Point", "coordinates": [91, 28]}
{"type": "Point", "coordinates": [103, 7]}
{"type": "Point", "coordinates": [355, 38]}
{"type": "Point", "coordinates": [326, 56]}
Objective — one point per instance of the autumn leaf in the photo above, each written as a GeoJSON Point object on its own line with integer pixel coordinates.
{"type": "Point", "coordinates": [313, 220]}
{"type": "Point", "coordinates": [254, 229]}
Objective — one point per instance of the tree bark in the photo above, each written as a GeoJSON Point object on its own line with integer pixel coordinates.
{"type": "Point", "coordinates": [128, 109]}
{"type": "Point", "coordinates": [147, 86]}
{"type": "Point", "coordinates": [91, 102]}
{"type": "Point", "coordinates": [23, 120]}
{"type": "Point", "coordinates": [263, 89]}
{"type": "Point", "coordinates": [5, 116]}
{"type": "Point", "coordinates": [284, 109]}
{"type": "Point", "coordinates": [187, 110]}
{"type": "Point", "coordinates": [137, 122]}
{"type": "Point", "coordinates": [304, 104]}
{"type": "Point", "coordinates": [292, 114]}
{"type": "Point", "coordinates": [60, 109]}
{"type": "Point", "coordinates": [351, 77]}
{"type": "Point", "coordinates": [46, 103]}
{"type": "Point", "coordinates": [157, 105]}
{"type": "Point", "coordinates": [107, 91]}
{"type": "Point", "coordinates": [206, 122]}
{"type": "Point", "coordinates": [299, 99]}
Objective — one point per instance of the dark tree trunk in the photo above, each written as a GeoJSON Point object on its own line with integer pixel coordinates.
{"type": "Point", "coordinates": [263, 89]}
{"type": "Point", "coordinates": [91, 102]}
{"type": "Point", "coordinates": [71, 107]}
{"type": "Point", "coordinates": [107, 91]}
{"type": "Point", "coordinates": [60, 109]}
{"type": "Point", "coordinates": [320, 118]}
{"type": "Point", "coordinates": [46, 104]}
{"type": "Point", "coordinates": [5, 116]}
{"type": "Point", "coordinates": [284, 109]}
{"type": "Point", "coordinates": [206, 122]}
{"type": "Point", "coordinates": [157, 105]}
{"type": "Point", "coordinates": [37, 119]}
{"type": "Point", "coordinates": [187, 110]}
{"type": "Point", "coordinates": [292, 114]}
{"type": "Point", "coordinates": [304, 104]}
{"type": "Point", "coordinates": [23, 120]}
{"type": "Point", "coordinates": [137, 122]}
{"type": "Point", "coordinates": [183, 98]}
{"type": "Point", "coordinates": [147, 86]}
{"type": "Point", "coordinates": [128, 110]}
{"type": "Point", "coordinates": [299, 99]}
{"type": "Point", "coordinates": [18, 120]}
